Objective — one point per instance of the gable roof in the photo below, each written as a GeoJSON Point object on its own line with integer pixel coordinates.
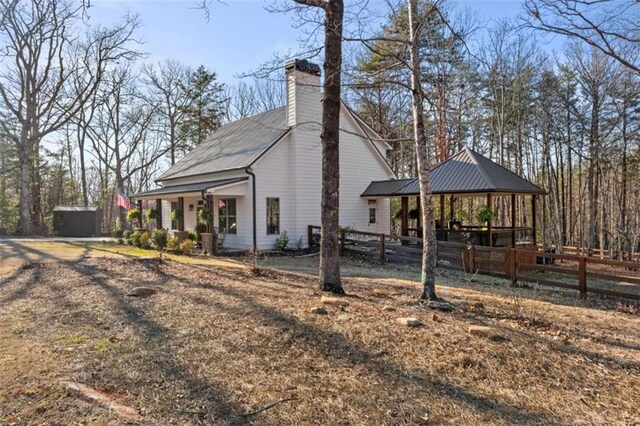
{"type": "Point", "coordinates": [236, 145]}
{"type": "Point", "coordinates": [467, 172]}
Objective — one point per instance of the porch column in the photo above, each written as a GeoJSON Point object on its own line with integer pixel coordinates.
{"type": "Point", "coordinates": [442, 232]}
{"type": "Point", "coordinates": [489, 222]}
{"type": "Point", "coordinates": [534, 220]}
{"type": "Point", "coordinates": [404, 215]}
{"type": "Point", "coordinates": [159, 210]}
{"type": "Point", "coordinates": [181, 208]}
{"type": "Point", "coordinates": [140, 210]}
{"type": "Point", "coordinates": [419, 215]}
{"type": "Point", "coordinates": [513, 220]}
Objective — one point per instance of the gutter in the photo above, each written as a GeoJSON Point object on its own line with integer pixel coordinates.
{"type": "Point", "coordinates": [253, 195]}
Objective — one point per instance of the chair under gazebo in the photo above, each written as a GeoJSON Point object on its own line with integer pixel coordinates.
{"type": "Point", "coordinates": [467, 174]}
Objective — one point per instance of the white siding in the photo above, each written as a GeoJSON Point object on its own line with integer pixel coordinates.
{"type": "Point", "coordinates": [360, 163]}
{"type": "Point", "coordinates": [274, 179]}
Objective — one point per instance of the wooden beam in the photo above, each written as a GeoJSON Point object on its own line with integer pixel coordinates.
{"type": "Point", "coordinates": [442, 232]}
{"type": "Point", "coordinates": [404, 215]}
{"type": "Point", "coordinates": [159, 210]}
{"type": "Point", "coordinates": [419, 216]}
{"type": "Point", "coordinates": [513, 220]}
{"type": "Point", "coordinates": [140, 210]}
{"type": "Point", "coordinates": [490, 222]}
{"type": "Point", "coordinates": [534, 220]}
{"type": "Point", "coordinates": [452, 203]}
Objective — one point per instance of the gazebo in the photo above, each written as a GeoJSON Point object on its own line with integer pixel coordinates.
{"type": "Point", "coordinates": [467, 174]}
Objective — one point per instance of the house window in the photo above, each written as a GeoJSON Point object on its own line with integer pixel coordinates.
{"type": "Point", "coordinates": [372, 215]}
{"type": "Point", "coordinates": [273, 216]}
{"type": "Point", "coordinates": [174, 207]}
{"type": "Point", "coordinates": [227, 216]}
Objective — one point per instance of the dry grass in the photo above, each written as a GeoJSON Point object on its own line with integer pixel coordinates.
{"type": "Point", "coordinates": [217, 343]}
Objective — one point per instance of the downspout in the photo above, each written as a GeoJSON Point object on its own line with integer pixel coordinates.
{"type": "Point", "coordinates": [253, 194]}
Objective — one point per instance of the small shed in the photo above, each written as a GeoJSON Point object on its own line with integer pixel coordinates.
{"type": "Point", "coordinates": [77, 221]}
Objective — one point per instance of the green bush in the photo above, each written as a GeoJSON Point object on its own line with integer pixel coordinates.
{"type": "Point", "coordinates": [187, 246]}
{"type": "Point", "coordinates": [135, 238]}
{"type": "Point", "coordinates": [145, 240]}
{"type": "Point", "coordinates": [173, 244]}
{"type": "Point", "coordinates": [160, 238]}
{"type": "Point", "coordinates": [485, 214]}
{"type": "Point", "coordinates": [283, 241]}
{"type": "Point", "coordinates": [126, 234]}
{"type": "Point", "coordinates": [192, 236]}
{"type": "Point", "coordinates": [134, 215]}
{"type": "Point", "coordinates": [151, 214]}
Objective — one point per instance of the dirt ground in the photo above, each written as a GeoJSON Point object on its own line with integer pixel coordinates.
{"type": "Point", "coordinates": [220, 341]}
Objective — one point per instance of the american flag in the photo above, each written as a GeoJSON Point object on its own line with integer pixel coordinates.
{"type": "Point", "coordinates": [221, 203]}
{"type": "Point", "coordinates": [123, 201]}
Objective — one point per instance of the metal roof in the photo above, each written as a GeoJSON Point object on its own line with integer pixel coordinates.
{"type": "Point", "coordinates": [233, 146]}
{"type": "Point", "coordinates": [76, 208]}
{"type": "Point", "coordinates": [467, 172]}
{"type": "Point", "coordinates": [190, 187]}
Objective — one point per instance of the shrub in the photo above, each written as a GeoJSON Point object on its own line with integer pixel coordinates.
{"type": "Point", "coordinates": [151, 214]}
{"type": "Point", "coordinates": [176, 215]}
{"type": "Point", "coordinates": [135, 238]}
{"type": "Point", "coordinates": [126, 234]}
{"type": "Point", "coordinates": [160, 237]}
{"type": "Point", "coordinates": [145, 240]}
{"type": "Point", "coordinates": [187, 246]}
{"type": "Point", "coordinates": [118, 233]}
{"type": "Point", "coordinates": [173, 244]}
{"type": "Point", "coordinates": [193, 236]}
{"type": "Point", "coordinates": [485, 214]}
{"type": "Point", "coordinates": [283, 241]}
{"type": "Point", "coordinates": [134, 215]}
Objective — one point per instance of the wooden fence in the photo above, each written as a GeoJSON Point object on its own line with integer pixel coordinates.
{"type": "Point", "coordinates": [582, 273]}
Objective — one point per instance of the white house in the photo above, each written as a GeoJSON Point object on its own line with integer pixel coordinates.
{"type": "Point", "coordinates": [262, 173]}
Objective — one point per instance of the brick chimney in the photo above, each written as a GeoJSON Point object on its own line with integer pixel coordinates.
{"type": "Point", "coordinates": [303, 92]}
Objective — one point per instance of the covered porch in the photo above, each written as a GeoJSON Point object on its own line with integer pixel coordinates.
{"type": "Point", "coordinates": [463, 176]}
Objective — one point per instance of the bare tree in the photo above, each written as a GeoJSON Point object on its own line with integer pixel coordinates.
{"type": "Point", "coordinates": [330, 138]}
{"type": "Point", "coordinates": [168, 84]}
{"type": "Point", "coordinates": [49, 73]}
{"type": "Point", "coordinates": [611, 26]}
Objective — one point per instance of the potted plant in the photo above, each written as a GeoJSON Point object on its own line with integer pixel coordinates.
{"type": "Point", "coordinates": [484, 215]}
{"type": "Point", "coordinates": [209, 243]}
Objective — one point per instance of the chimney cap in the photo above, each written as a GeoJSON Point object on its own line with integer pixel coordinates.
{"type": "Point", "coordinates": [303, 65]}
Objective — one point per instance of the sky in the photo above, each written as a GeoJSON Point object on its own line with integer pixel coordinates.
{"type": "Point", "coordinates": [240, 34]}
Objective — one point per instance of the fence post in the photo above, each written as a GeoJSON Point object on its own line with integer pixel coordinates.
{"type": "Point", "coordinates": [468, 259]}
{"type": "Point", "coordinates": [382, 248]}
{"type": "Point", "coordinates": [310, 235]}
{"type": "Point", "coordinates": [582, 277]}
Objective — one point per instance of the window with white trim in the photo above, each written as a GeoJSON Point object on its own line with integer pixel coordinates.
{"type": "Point", "coordinates": [273, 216]}
{"type": "Point", "coordinates": [227, 219]}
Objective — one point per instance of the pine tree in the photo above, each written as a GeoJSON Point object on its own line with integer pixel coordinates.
{"type": "Point", "coordinates": [204, 111]}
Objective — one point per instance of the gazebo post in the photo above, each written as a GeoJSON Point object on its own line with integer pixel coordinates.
{"type": "Point", "coordinates": [452, 201]}
{"type": "Point", "coordinates": [419, 215]}
{"type": "Point", "coordinates": [513, 220]}
{"type": "Point", "coordinates": [404, 215]}
{"type": "Point", "coordinates": [442, 234]}
{"type": "Point", "coordinates": [533, 220]}
{"type": "Point", "coordinates": [489, 222]}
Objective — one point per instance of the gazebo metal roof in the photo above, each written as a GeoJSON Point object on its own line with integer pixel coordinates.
{"type": "Point", "coordinates": [467, 172]}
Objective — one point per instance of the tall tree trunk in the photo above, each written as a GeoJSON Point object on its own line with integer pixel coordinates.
{"type": "Point", "coordinates": [24, 159]}
{"type": "Point", "coordinates": [423, 157]}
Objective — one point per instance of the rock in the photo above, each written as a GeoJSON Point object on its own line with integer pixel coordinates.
{"type": "Point", "coordinates": [441, 306]}
{"type": "Point", "coordinates": [388, 308]}
{"type": "Point", "coordinates": [319, 310]}
{"type": "Point", "coordinates": [336, 301]}
{"type": "Point", "coordinates": [142, 292]}
{"type": "Point", "coordinates": [93, 396]}
{"type": "Point", "coordinates": [482, 331]}
{"type": "Point", "coordinates": [410, 321]}
{"type": "Point", "coordinates": [100, 276]}
{"type": "Point", "coordinates": [343, 317]}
